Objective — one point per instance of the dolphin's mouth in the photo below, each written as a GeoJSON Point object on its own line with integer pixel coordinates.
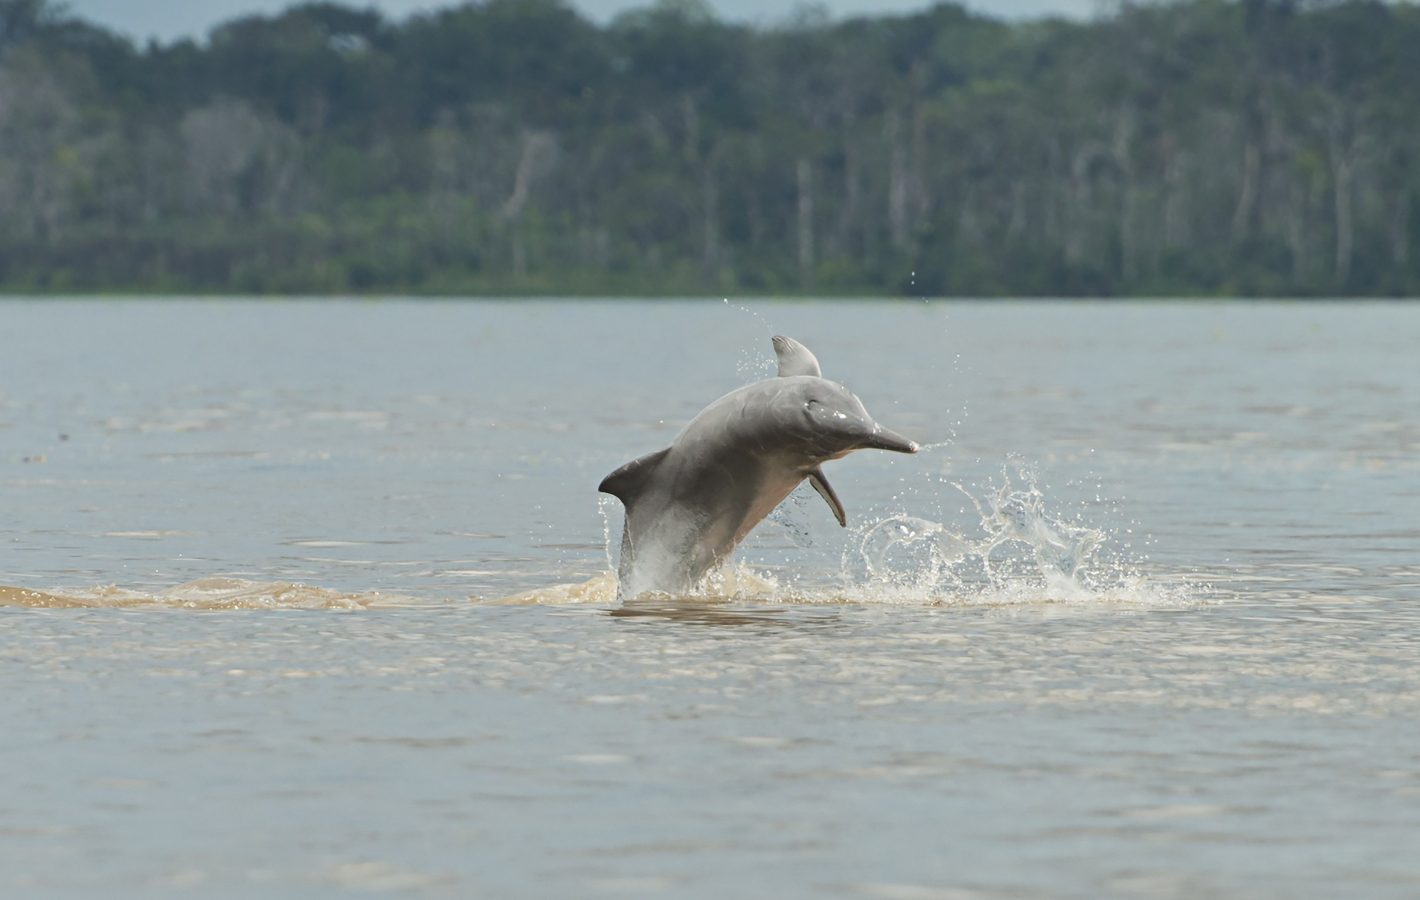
{"type": "Point", "coordinates": [886, 439]}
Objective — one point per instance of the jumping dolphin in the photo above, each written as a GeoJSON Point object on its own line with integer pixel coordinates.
{"type": "Point", "coordinates": [688, 506]}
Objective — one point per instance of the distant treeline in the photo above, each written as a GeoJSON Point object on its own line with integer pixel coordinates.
{"type": "Point", "coordinates": [1263, 147]}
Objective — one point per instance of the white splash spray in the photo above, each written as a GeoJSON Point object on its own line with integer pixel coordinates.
{"type": "Point", "coordinates": [1020, 552]}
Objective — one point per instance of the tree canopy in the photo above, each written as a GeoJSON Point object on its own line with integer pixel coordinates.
{"type": "Point", "coordinates": [1196, 147]}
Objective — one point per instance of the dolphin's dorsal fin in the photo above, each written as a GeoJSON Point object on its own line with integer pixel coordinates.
{"type": "Point", "coordinates": [826, 492]}
{"type": "Point", "coordinates": [627, 482]}
{"type": "Point", "coordinates": [795, 358]}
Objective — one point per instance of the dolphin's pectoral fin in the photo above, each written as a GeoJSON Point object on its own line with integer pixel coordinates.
{"type": "Point", "coordinates": [627, 482]}
{"type": "Point", "coordinates": [825, 490]}
{"type": "Point", "coordinates": [795, 358]}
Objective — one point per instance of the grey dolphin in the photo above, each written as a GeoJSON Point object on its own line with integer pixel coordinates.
{"type": "Point", "coordinates": [688, 506]}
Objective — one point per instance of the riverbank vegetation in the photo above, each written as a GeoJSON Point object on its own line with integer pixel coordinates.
{"type": "Point", "coordinates": [1202, 147]}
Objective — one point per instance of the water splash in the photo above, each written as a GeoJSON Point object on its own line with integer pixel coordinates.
{"type": "Point", "coordinates": [932, 552]}
{"type": "Point", "coordinates": [1017, 515]}
{"type": "Point", "coordinates": [606, 507]}
{"type": "Point", "coordinates": [791, 518]}
{"type": "Point", "coordinates": [1019, 552]}
{"type": "Point", "coordinates": [754, 363]}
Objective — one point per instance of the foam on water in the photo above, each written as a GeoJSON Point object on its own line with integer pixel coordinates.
{"type": "Point", "coordinates": [599, 589]}
{"type": "Point", "coordinates": [202, 594]}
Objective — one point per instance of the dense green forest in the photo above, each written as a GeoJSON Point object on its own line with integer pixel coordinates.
{"type": "Point", "coordinates": [1203, 147]}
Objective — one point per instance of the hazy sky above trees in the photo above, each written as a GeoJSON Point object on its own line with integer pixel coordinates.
{"type": "Point", "coordinates": [169, 19]}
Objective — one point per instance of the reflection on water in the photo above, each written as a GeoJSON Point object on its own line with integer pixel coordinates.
{"type": "Point", "coordinates": [705, 613]}
{"type": "Point", "coordinates": [1140, 619]}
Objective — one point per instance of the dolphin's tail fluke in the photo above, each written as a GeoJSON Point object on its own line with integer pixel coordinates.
{"type": "Point", "coordinates": [627, 482]}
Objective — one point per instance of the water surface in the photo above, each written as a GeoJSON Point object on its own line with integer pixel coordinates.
{"type": "Point", "coordinates": [306, 597]}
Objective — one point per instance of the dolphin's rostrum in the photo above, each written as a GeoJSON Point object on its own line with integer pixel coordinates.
{"type": "Point", "coordinates": [688, 506]}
